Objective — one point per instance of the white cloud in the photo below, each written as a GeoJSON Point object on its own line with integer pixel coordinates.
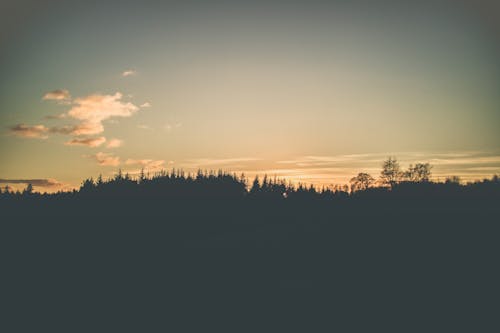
{"type": "Point", "coordinates": [25, 131]}
{"type": "Point", "coordinates": [94, 109]}
{"type": "Point", "coordinates": [105, 159]}
{"type": "Point", "coordinates": [129, 72]}
{"type": "Point", "coordinates": [60, 95]}
{"type": "Point", "coordinates": [90, 142]}
{"type": "Point", "coordinates": [146, 105]}
{"type": "Point", "coordinates": [114, 143]}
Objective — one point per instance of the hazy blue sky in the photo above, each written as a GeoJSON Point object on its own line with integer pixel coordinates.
{"type": "Point", "coordinates": [313, 91]}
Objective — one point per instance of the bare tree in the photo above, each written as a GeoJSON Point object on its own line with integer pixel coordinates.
{"type": "Point", "coordinates": [391, 172]}
{"type": "Point", "coordinates": [419, 173]}
{"type": "Point", "coordinates": [361, 182]}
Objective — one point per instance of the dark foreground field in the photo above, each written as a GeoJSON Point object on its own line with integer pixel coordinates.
{"type": "Point", "coordinates": [249, 265]}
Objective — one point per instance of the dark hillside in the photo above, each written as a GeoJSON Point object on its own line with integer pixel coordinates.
{"type": "Point", "coordinates": [359, 262]}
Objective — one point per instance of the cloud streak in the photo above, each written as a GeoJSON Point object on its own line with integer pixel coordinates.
{"type": "Point", "coordinates": [169, 127]}
{"type": "Point", "coordinates": [207, 162]}
{"type": "Point", "coordinates": [89, 142]}
{"type": "Point", "coordinates": [60, 95]}
{"type": "Point", "coordinates": [147, 164]}
{"type": "Point", "coordinates": [114, 143]}
{"type": "Point", "coordinates": [105, 159]}
{"type": "Point", "coordinates": [26, 131]}
{"type": "Point", "coordinates": [43, 182]}
{"type": "Point", "coordinates": [129, 72]}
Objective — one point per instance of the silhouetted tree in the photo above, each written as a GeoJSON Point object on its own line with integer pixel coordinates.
{"type": "Point", "coordinates": [421, 172]}
{"type": "Point", "coordinates": [87, 185]}
{"type": "Point", "coordinates": [453, 180]}
{"type": "Point", "coordinates": [99, 181]}
{"type": "Point", "coordinates": [28, 190]}
{"type": "Point", "coordinates": [142, 177]}
{"type": "Point", "coordinates": [391, 172]}
{"type": "Point", "coordinates": [361, 182]}
{"type": "Point", "coordinates": [255, 189]}
{"type": "Point", "coordinates": [119, 175]}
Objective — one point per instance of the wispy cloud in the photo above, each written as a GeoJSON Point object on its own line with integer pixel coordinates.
{"type": "Point", "coordinates": [48, 182]}
{"type": "Point", "coordinates": [105, 159]}
{"type": "Point", "coordinates": [129, 72]}
{"type": "Point", "coordinates": [56, 116]}
{"type": "Point", "coordinates": [169, 127]}
{"type": "Point", "coordinates": [60, 95]}
{"type": "Point", "coordinates": [89, 142]}
{"type": "Point", "coordinates": [146, 105]}
{"type": "Point", "coordinates": [146, 162]}
{"type": "Point", "coordinates": [26, 131]}
{"type": "Point", "coordinates": [114, 143]}
{"type": "Point", "coordinates": [220, 161]}
{"type": "Point", "coordinates": [148, 165]}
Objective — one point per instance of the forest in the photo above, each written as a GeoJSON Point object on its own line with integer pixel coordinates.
{"type": "Point", "coordinates": [213, 248]}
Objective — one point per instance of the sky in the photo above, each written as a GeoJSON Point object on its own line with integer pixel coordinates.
{"type": "Point", "coordinates": [311, 91]}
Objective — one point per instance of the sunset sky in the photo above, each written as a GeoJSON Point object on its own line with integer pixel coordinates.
{"type": "Point", "coordinates": [313, 91]}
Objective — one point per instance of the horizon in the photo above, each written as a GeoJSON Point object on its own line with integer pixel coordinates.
{"type": "Point", "coordinates": [311, 92]}
{"type": "Point", "coordinates": [51, 186]}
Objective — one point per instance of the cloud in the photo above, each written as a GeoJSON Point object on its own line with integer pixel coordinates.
{"type": "Point", "coordinates": [90, 142]}
{"type": "Point", "coordinates": [105, 159]}
{"type": "Point", "coordinates": [59, 95]}
{"type": "Point", "coordinates": [129, 72]}
{"type": "Point", "coordinates": [67, 130]}
{"type": "Point", "coordinates": [142, 126]}
{"type": "Point", "coordinates": [94, 109]}
{"type": "Point", "coordinates": [146, 164]}
{"type": "Point", "coordinates": [114, 143]}
{"type": "Point", "coordinates": [35, 182]}
{"type": "Point", "coordinates": [55, 116]}
{"type": "Point", "coordinates": [146, 105]}
{"type": "Point", "coordinates": [207, 162]}
{"type": "Point", "coordinates": [25, 131]}
{"type": "Point", "coordinates": [169, 127]}
{"type": "Point", "coordinates": [80, 129]}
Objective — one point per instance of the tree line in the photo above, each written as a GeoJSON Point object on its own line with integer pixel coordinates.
{"type": "Point", "coordinates": [393, 181]}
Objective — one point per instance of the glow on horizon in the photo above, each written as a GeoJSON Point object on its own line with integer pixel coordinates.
{"type": "Point", "coordinates": [320, 171]}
